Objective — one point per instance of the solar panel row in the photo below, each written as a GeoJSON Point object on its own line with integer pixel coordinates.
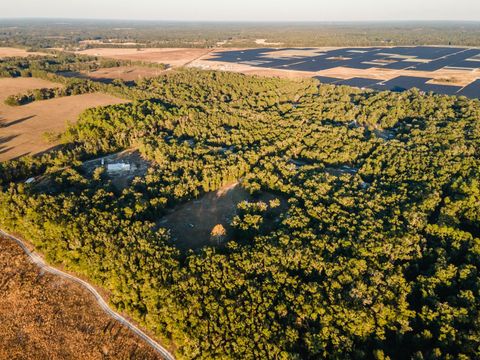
{"type": "Point", "coordinates": [420, 58]}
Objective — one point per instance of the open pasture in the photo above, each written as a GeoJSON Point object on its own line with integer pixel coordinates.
{"type": "Point", "coordinates": [22, 128]}
{"type": "Point", "coordinates": [172, 57]}
{"type": "Point", "coordinates": [6, 52]}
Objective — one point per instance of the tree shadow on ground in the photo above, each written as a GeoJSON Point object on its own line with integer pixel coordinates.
{"type": "Point", "coordinates": [4, 124]}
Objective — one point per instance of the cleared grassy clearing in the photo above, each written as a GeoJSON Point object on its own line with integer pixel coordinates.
{"type": "Point", "coordinates": [173, 57]}
{"type": "Point", "coordinates": [191, 224]}
{"type": "Point", "coordinates": [14, 52]}
{"type": "Point", "coordinates": [22, 128]}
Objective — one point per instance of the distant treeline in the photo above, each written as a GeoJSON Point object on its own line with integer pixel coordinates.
{"type": "Point", "coordinates": [54, 67]}
{"type": "Point", "coordinates": [75, 33]}
{"type": "Point", "coordinates": [57, 62]}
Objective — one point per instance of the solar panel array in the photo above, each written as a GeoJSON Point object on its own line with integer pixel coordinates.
{"type": "Point", "coordinates": [419, 58]}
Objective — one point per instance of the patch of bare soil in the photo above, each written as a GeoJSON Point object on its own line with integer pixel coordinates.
{"type": "Point", "coordinates": [12, 86]}
{"type": "Point", "coordinates": [205, 64]}
{"type": "Point", "coordinates": [14, 52]}
{"type": "Point", "coordinates": [174, 57]}
{"type": "Point", "coordinates": [110, 42]}
{"type": "Point", "coordinates": [442, 76]}
{"type": "Point", "coordinates": [22, 128]}
{"type": "Point", "coordinates": [125, 73]}
{"type": "Point", "coordinates": [45, 317]}
{"type": "Point", "coordinates": [191, 224]}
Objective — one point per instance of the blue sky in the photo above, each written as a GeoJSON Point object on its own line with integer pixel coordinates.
{"type": "Point", "coordinates": [252, 10]}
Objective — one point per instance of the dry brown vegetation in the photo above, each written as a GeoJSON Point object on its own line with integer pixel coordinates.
{"type": "Point", "coordinates": [110, 42]}
{"type": "Point", "coordinates": [45, 317]}
{"type": "Point", "coordinates": [22, 128]}
{"type": "Point", "coordinates": [125, 73]}
{"type": "Point", "coordinates": [10, 86]}
{"type": "Point", "coordinates": [14, 52]}
{"type": "Point", "coordinates": [172, 57]}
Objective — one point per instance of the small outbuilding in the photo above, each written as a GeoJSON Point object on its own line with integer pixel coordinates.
{"type": "Point", "coordinates": [118, 167]}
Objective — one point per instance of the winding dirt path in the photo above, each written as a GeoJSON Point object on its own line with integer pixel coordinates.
{"type": "Point", "coordinates": [37, 259]}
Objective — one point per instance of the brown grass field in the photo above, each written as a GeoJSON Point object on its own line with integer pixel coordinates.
{"type": "Point", "coordinates": [126, 73]}
{"type": "Point", "coordinates": [10, 86]}
{"type": "Point", "coordinates": [173, 57]}
{"type": "Point", "coordinates": [45, 317]}
{"type": "Point", "coordinates": [22, 128]}
{"type": "Point", "coordinates": [14, 52]}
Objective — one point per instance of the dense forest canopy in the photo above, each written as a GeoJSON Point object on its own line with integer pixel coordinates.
{"type": "Point", "coordinates": [375, 252]}
{"type": "Point", "coordinates": [44, 33]}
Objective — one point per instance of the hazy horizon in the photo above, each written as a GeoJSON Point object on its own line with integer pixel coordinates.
{"type": "Point", "coordinates": [166, 21]}
{"type": "Point", "coordinates": [247, 10]}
